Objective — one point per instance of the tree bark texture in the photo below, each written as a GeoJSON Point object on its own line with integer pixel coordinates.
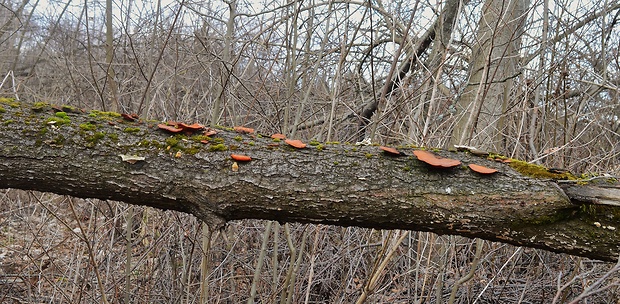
{"type": "Point", "coordinates": [78, 154]}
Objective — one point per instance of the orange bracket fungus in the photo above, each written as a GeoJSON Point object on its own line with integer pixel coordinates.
{"type": "Point", "coordinates": [241, 158]}
{"type": "Point", "coordinates": [130, 117]}
{"type": "Point", "coordinates": [191, 128]}
{"type": "Point", "coordinates": [435, 160]}
{"type": "Point", "coordinates": [176, 127]}
{"type": "Point", "coordinates": [389, 150]}
{"type": "Point", "coordinates": [295, 143]}
{"type": "Point", "coordinates": [241, 129]}
{"type": "Point", "coordinates": [481, 169]}
{"type": "Point", "coordinates": [168, 128]}
{"type": "Point", "coordinates": [209, 132]}
{"type": "Point", "coordinates": [278, 136]}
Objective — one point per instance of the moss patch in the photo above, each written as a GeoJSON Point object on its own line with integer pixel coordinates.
{"type": "Point", "coordinates": [57, 121]}
{"type": "Point", "coordinates": [88, 127]}
{"type": "Point", "coordinates": [58, 141]}
{"type": "Point", "coordinates": [131, 130]}
{"type": "Point", "coordinates": [538, 171]}
{"type": "Point", "coordinates": [200, 138]}
{"type": "Point", "coordinates": [150, 143]}
{"type": "Point", "coordinates": [10, 102]}
{"type": "Point", "coordinates": [103, 115]}
{"type": "Point", "coordinates": [217, 140]}
{"type": "Point", "coordinates": [67, 108]}
{"type": "Point", "coordinates": [224, 128]}
{"type": "Point", "coordinates": [93, 139]}
{"type": "Point", "coordinates": [43, 131]}
{"type": "Point", "coordinates": [172, 142]}
{"type": "Point", "coordinates": [40, 106]}
{"type": "Point", "coordinates": [192, 150]}
{"type": "Point", "coordinates": [218, 147]}
{"type": "Point", "coordinates": [62, 115]}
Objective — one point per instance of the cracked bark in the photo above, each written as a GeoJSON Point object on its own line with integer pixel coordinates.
{"type": "Point", "coordinates": [340, 185]}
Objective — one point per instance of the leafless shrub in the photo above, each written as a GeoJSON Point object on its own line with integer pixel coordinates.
{"type": "Point", "coordinates": [308, 69]}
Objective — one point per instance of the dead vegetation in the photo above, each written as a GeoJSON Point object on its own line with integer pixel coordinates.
{"type": "Point", "coordinates": [330, 71]}
{"type": "Point", "coordinates": [58, 249]}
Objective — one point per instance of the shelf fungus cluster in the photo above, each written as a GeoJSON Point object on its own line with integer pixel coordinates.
{"type": "Point", "coordinates": [177, 127]}
{"type": "Point", "coordinates": [440, 162]}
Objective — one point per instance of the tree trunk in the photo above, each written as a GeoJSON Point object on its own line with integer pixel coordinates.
{"type": "Point", "coordinates": [494, 62]}
{"type": "Point", "coordinates": [79, 154]}
{"type": "Point", "coordinates": [109, 57]}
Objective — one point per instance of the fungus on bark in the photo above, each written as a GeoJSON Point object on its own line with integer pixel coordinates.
{"type": "Point", "coordinates": [172, 129]}
{"type": "Point", "coordinates": [278, 136]}
{"type": "Point", "coordinates": [435, 160]}
{"type": "Point", "coordinates": [295, 143]}
{"type": "Point", "coordinates": [481, 169]}
{"type": "Point", "coordinates": [241, 129]}
{"type": "Point", "coordinates": [191, 128]}
{"type": "Point", "coordinates": [241, 158]}
{"type": "Point", "coordinates": [389, 150]}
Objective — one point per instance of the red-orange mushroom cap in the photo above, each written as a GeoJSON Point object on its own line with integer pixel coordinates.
{"type": "Point", "coordinates": [434, 160]}
{"type": "Point", "coordinates": [481, 169]}
{"type": "Point", "coordinates": [241, 158]}
{"type": "Point", "coordinates": [241, 129]}
{"type": "Point", "coordinates": [295, 143]}
{"type": "Point", "coordinates": [278, 136]}
{"type": "Point", "coordinates": [389, 150]}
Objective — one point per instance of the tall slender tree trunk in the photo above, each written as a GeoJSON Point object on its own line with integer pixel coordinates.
{"type": "Point", "coordinates": [494, 65]}
{"type": "Point", "coordinates": [109, 57]}
{"type": "Point", "coordinates": [227, 64]}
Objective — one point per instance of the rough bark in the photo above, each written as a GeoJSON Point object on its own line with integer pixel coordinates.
{"type": "Point", "coordinates": [337, 184]}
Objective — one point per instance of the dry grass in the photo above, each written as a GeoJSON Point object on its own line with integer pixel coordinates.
{"type": "Point", "coordinates": [45, 258]}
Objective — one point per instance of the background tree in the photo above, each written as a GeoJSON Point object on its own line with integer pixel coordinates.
{"type": "Point", "coordinates": [493, 66]}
